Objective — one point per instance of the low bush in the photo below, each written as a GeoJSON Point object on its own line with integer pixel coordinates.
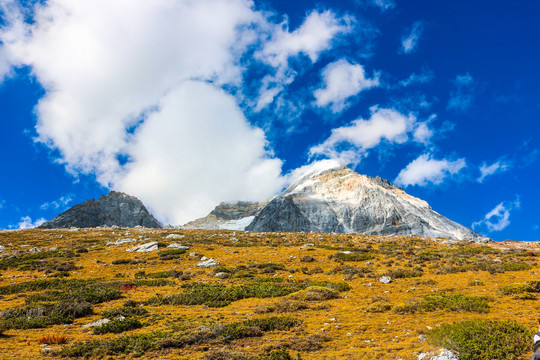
{"type": "Point", "coordinates": [117, 326]}
{"type": "Point", "coordinates": [484, 339]}
{"type": "Point", "coordinates": [315, 293]}
{"type": "Point", "coordinates": [217, 295]}
{"type": "Point", "coordinates": [404, 273]}
{"type": "Point", "coordinates": [171, 254]}
{"type": "Point", "coordinates": [91, 294]}
{"type": "Point", "coordinates": [41, 316]}
{"type": "Point", "coordinates": [282, 306]}
{"type": "Point", "coordinates": [140, 343]}
{"type": "Point", "coordinates": [452, 302]}
{"type": "Point", "coordinates": [125, 311]}
{"type": "Point", "coordinates": [520, 288]}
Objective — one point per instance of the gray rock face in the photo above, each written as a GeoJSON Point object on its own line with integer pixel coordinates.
{"type": "Point", "coordinates": [114, 209]}
{"type": "Point", "coordinates": [341, 201]}
{"type": "Point", "coordinates": [227, 216]}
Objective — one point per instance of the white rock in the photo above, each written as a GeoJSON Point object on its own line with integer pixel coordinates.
{"type": "Point", "coordinates": [222, 275]}
{"type": "Point", "coordinates": [174, 236]}
{"type": "Point", "coordinates": [96, 323]}
{"type": "Point", "coordinates": [151, 246]}
{"type": "Point", "coordinates": [121, 241]}
{"type": "Point", "coordinates": [446, 355]}
{"type": "Point", "coordinates": [192, 254]}
{"type": "Point", "coordinates": [208, 263]}
{"type": "Point", "coordinates": [178, 246]}
{"type": "Point", "coordinates": [204, 258]}
{"type": "Point", "coordinates": [385, 279]}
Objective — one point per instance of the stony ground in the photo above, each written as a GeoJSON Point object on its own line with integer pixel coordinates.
{"type": "Point", "coordinates": [272, 296]}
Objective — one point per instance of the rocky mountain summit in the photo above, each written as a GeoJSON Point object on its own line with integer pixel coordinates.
{"type": "Point", "coordinates": [339, 200]}
{"type": "Point", "coordinates": [116, 208]}
{"type": "Point", "coordinates": [230, 216]}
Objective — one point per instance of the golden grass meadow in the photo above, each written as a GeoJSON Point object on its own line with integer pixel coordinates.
{"type": "Point", "coordinates": [273, 296]}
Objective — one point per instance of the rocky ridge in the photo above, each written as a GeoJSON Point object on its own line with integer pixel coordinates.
{"type": "Point", "coordinates": [339, 200]}
{"type": "Point", "coordinates": [228, 216]}
{"type": "Point", "coordinates": [114, 209]}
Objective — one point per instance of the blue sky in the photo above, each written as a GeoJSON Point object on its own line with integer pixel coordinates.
{"type": "Point", "coordinates": [186, 104]}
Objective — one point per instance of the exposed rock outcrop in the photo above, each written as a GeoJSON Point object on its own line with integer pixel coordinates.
{"type": "Point", "coordinates": [230, 216]}
{"type": "Point", "coordinates": [116, 208]}
{"type": "Point", "coordinates": [340, 200]}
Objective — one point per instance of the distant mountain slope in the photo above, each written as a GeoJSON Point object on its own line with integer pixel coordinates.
{"type": "Point", "coordinates": [230, 216]}
{"type": "Point", "coordinates": [116, 208]}
{"type": "Point", "coordinates": [340, 200]}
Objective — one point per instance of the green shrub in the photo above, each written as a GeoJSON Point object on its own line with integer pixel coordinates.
{"type": "Point", "coordinates": [218, 295]}
{"type": "Point", "coordinates": [171, 254]}
{"type": "Point", "coordinates": [91, 294]}
{"type": "Point", "coordinates": [117, 326]}
{"type": "Point", "coordinates": [484, 339]}
{"type": "Point", "coordinates": [519, 288]}
{"type": "Point", "coordinates": [39, 285]}
{"type": "Point", "coordinates": [41, 316]}
{"type": "Point", "coordinates": [452, 302]}
{"type": "Point", "coordinates": [404, 273]}
{"type": "Point", "coordinates": [125, 311]}
{"type": "Point", "coordinates": [315, 293]}
{"type": "Point", "coordinates": [516, 266]}
{"type": "Point", "coordinates": [140, 343]}
{"type": "Point", "coordinates": [353, 256]}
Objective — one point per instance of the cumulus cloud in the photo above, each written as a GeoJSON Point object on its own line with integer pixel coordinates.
{"type": "Point", "coordinates": [133, 94]}
{"type": "Point", "coordinates": [462, 95]}
{"type": "Point", "coordinates": [488, 170]}
{"type": "Point", "coordinates": [27, 223]}
{"type": "Point", "coordinates": [425, 170]}
{"type": "Point", "coordinates": [351, 142]}
{"type": "Point", "coordinates": [314, 36]}
{"type": "Point", "coordinates": [60, 203]}
{"type": "Point", "coordinates": [498, 218]}
{"type": "Point", "coordinates": [410, 41]}
{"type": "Point", "coordinates": [342, 80]}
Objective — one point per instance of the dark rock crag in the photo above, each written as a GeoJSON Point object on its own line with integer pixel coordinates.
{"type": "Point", "coordinates": [114, 209]}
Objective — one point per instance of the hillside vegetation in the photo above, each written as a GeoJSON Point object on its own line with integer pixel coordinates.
{"type": "Point", "coordinates": [273, 296]}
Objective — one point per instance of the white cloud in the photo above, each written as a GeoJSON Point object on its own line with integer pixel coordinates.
{"type": "Point", "coordinates": [462, 96]}
{"type": "Point", "coordinates": [498, 218]}
{"type": "Point", "coordinates": [425, 170]}
{"type": "Point", "coordinates": [362, 135]}
{"type": "Point", "coordinates": [314, 36]}
{"type": "Point", "coordinates": [422, 78]}
{"type": "Point", "coordinates": [204, 160]}
{"type": "Point", "coordinates": [342, 80]}
{"type": "Point", "coordinates": [422, 133]}
{"type": "Point", "coordinates": [120, 80]}
{"type": "Point", "coordinates": [488, 170]}
{"type": "Point", "coordinates": [27, 223]}
{"type": "Point", "coordinates": [384, 4]}
{"type": "Point", "coordinates": [409, 42]}
{"type": "Point", "coordinates": [60, 203]}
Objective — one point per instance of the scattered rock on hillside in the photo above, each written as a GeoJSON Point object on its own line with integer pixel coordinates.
{"type": "Point", "coordinates": [208, 263]}
{"type": "Point", "coordinates": [178, 246]}
{"type": "Point", "coordinates": [385, 279]}
{"type": "Point", "coordinates": [148, 247]}
{"type": "Point", "coordinates": [174, 236]}
{"type": "Point", "coordinates": [114, 209]}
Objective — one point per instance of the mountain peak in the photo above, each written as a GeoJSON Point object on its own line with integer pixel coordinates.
{"type": "Point", "coordinates": [115, 208]}
{"type": "Point", "coordinates": [337, 199]}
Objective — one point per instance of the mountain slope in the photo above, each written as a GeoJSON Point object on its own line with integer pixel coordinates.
{"type": "Point", "coordinates": [340, 200]}
{"type": "Point", "coordinates": [116, 208]}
